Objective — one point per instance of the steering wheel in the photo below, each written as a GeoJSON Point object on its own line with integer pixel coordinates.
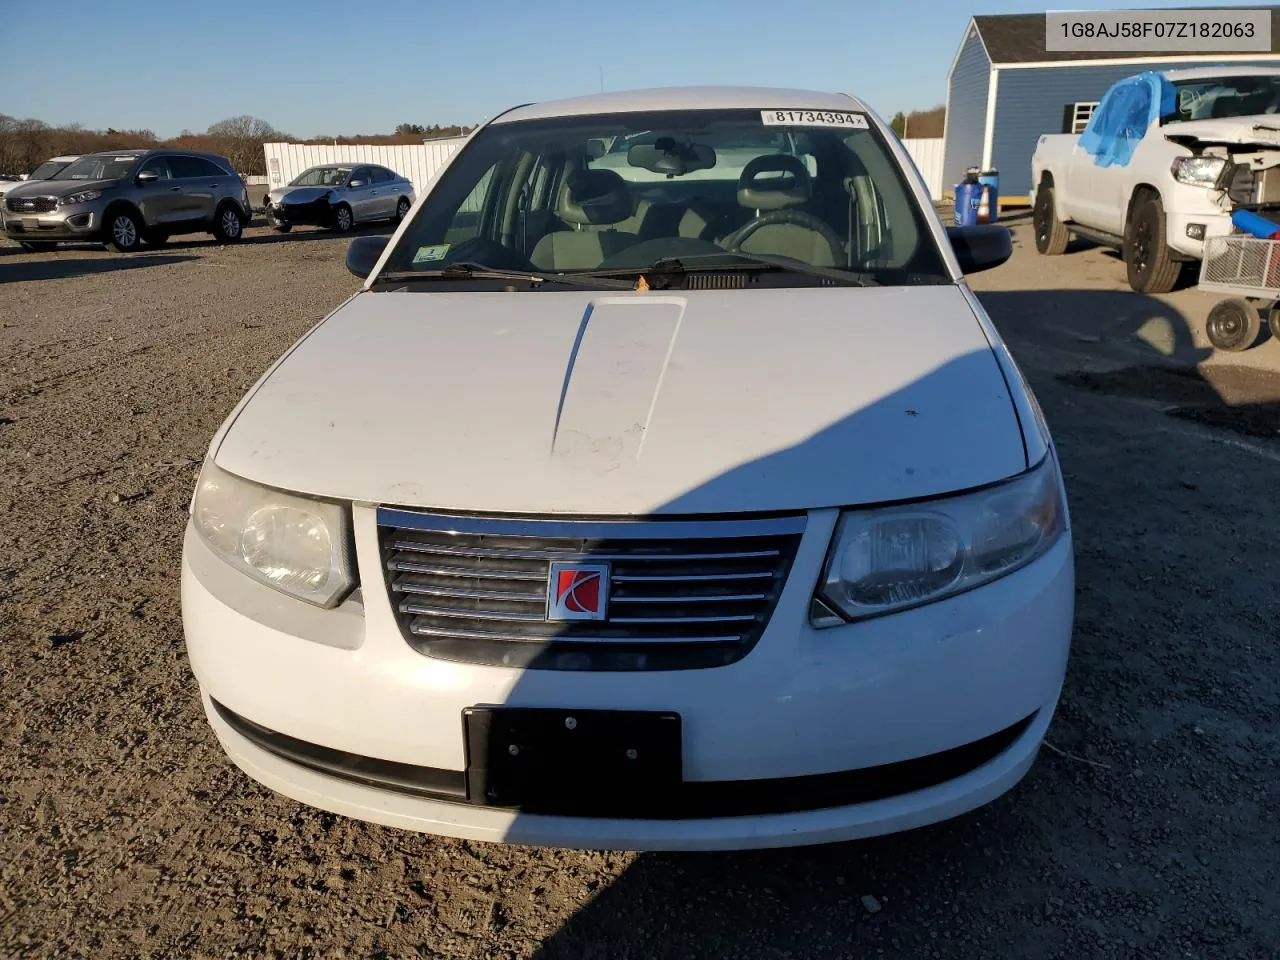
{"type": "Point", "coordinates": [795, 218]}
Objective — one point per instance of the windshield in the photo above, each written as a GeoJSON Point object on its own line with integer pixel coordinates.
{"type": "Point", "coordinates": [48, 170]}
{"type": "Point", "coordinates": [322, 177]}
{"type": "Point", "coordinates": [1213, 97]}
{"type": "Point", "coordinates": [622, 191]}
{"type": "Point", "coordinates": [100, 167]}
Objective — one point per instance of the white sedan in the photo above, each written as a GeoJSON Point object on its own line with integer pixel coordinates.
{"type": "Point", "coordinates": [633, 511]}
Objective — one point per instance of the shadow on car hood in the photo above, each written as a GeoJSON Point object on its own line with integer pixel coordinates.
{"type": "Point", "coordinates": [593, 403]}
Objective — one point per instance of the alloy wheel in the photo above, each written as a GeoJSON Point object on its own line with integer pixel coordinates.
{"type": "Point", "coordinates": [124, 230]}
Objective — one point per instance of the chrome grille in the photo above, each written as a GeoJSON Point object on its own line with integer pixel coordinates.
{"type": "Point", "coordinates": [31, 204]}
{"type": "Point", "coordinates": [682, 594]}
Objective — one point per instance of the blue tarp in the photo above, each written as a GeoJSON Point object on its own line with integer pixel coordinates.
{"type": "Point", "coordinates": [1123, 116]}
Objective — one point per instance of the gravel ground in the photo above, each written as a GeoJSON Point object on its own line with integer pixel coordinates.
{"type": "Point", "coordinates": [1148, 829]}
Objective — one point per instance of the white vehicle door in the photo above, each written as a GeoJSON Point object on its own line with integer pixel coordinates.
{"type": "Point", "coordinates": [1126, 114]}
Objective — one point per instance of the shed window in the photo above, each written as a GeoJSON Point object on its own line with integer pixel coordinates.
{"type": "Point", "coordinates": [1076, 116]}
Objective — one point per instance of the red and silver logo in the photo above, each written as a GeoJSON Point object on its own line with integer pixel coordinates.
{"type": "Point", "coordinates": [578, 591]}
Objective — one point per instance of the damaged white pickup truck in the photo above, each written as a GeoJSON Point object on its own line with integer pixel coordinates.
{"type": "Point", "coordinates": [1165, 160]}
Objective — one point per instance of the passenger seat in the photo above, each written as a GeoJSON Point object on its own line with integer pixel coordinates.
{"type": "Point", "coordinates": [589, 198]}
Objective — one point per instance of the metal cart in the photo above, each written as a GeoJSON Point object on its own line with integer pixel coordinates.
{"type": "Point", "coordinates": [1248, 270]}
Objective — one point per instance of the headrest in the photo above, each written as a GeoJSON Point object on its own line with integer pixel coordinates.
{"type": "Point", "coordinates": [774, 192]}
{"type": "Point", "coordinates": [594, 196]}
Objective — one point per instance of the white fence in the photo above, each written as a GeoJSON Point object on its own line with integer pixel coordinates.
{"type": "Point", "coordinates": [417, 161]}
{"type": "Point", "coordinates": [927, 154]}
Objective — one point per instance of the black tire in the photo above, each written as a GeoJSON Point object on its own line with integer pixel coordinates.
{"type": "Point", "coordinates": [123, 230]}
{"type": "Point", "coordinates": [1273, 322]}
{"type": "Point", "coordinates": [39, 246]}
{"type": "Point", "coordinates": [282, 227]}
{"type": "Point", "coordinates": [1051, 233]}
{"type": "Point", "coordinates": [228, 225]}
{"type": "Point", "coordinates": [1233, 324]}
{"type": "Point", "coordinates": [1147, 258]}
{"type": "Point", "coordinates": [156, 238]}
{"type": "Point", "coordinates": [402, 208]}
{"type": "Point", "coordinates": [343, 220]}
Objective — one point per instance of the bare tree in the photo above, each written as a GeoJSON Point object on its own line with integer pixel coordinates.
{"type": "Point", "coordinates": [241, 138]}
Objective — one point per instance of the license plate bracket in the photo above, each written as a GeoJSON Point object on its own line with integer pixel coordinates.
{"type": "Point", "coordinates": [573, 762]}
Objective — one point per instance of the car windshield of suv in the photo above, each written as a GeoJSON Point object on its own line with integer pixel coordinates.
{"type": "Point", "coordinates": [322, 177]}
{"type": "Point", "coordinates": [711, 188]}
{"type": "Point", "coordinates": [1213, 97]}
{"type": "Point", "coordinates": [49, 170]}
{"type": "Point", "coordinates": [100, 167]}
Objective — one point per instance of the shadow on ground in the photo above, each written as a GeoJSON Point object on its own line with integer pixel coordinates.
{"type": "Point", "coordinates": [63, 267]}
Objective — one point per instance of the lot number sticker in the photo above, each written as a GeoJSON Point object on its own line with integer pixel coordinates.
{"type": "Point", "coordinates": [813, 118]}
{"type": "Point", "coordinates": [430, 254]}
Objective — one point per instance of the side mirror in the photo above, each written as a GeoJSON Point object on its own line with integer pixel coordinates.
{"type": "Point", "coordinates": [363, 253]}
{"type": "Point", "coordinates": [355, 183]}
{"type": "Point", "coordinates": [148, 176]}
{"type": "Point", "coordinates": [981, 247]}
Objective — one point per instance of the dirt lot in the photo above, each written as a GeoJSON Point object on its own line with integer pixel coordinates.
{"type": "Point", "coordinates": [1149, 829]}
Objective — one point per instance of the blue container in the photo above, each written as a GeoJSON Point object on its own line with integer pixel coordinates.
{"type": "Point", "coordinates": [1252, 224]}
{"type": "Point", "coordinates": [968, 196]}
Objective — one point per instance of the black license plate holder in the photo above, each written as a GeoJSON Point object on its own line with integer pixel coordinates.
{"type": "Point", "coordinates": [572, 762]}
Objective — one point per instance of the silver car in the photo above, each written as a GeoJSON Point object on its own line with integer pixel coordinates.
{"type": "Point", "coordinates": [340, 195]}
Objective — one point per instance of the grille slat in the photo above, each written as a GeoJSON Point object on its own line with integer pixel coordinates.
{"type": "Point", "coordinates": [694, 578]}
{"type": "Point", "coordinates": [438, 570]}
{"type": "Point", "coordinates": [681, 594]}
{"type": "Point", "coordinates": [431, 590]}
{"type": "Point", "coordinates": [585, 555]}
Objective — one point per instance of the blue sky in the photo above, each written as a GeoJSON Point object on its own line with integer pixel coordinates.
{"type": "Point", "coordinates": [342, 67]}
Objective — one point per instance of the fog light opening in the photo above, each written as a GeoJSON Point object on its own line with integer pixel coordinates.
{"type": "Point", "coordinates": [1195, 231]}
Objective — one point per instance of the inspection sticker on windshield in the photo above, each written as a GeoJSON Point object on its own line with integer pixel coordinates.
{"type": "Point", "coordinates": [430, 254]}
{"type": "Point", "coordinates": [813, 118]}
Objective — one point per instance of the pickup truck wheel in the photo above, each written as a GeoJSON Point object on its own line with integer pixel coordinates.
{"type": "Point", "coordinates": [1151, 267]}
{"type": "Point", "coordinates": [1273, 322]}
{"type": "Point", "coordinates": [1233, 324]}
{"type": "Point", "coordinates": [1051, 233]}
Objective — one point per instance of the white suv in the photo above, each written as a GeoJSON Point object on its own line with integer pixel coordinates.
{"type": "Point", "coordinates": [631, 512]}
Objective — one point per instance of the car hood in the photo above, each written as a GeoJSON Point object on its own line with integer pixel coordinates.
{"type": "Point", "coordinates": [646, 403]}
{"type": "Point", "coordinates": [1262, 129]}
{"type": "Point", "coordinates": [58, 188]}
{"type": "Point", "coordinates": [298, 194]}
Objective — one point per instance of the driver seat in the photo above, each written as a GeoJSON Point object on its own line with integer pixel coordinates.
{"type": "Point", "coordinates": [589, 198]}
{"type": "Point", "coordinates": [786, 230]}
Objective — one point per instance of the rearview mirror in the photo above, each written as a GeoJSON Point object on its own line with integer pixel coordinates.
{"type": "Point", "coordinates": [666, 155]}
{"type": "Point", "coordinates": [981, 247]}
{"type": "Point", "coordinates": [355, 183]}
{"type": "Point", "coordinates": [148, 176]}
{"type": "Point", "coordinates": [363, 254]}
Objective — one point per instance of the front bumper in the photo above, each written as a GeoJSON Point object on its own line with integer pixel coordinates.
{"type": "Point", "coordinates": [318, 213]}
{"type": "Point", "coordinates": [67, 224]}
{"type": "Point", "coordinates": [974, 678]}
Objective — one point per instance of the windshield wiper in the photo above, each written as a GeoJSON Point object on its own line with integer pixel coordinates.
{"type": "Point", "coordinates": [668, 266]}
{"type": "Point", "coordinates": [468, 270]}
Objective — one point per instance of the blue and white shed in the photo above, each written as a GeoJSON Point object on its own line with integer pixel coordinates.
{"type": "Point", "coordinates": [1004, 90]}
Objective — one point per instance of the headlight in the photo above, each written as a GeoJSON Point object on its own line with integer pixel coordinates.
{"type": "Point", "coordinates": [1198, 171]}
{"type": "Point", "coordinates": [888, 559]}
{"type": "Point", "coordinates": [296, 544]}
{"type": "Point", "coordinates": [84, 196]}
